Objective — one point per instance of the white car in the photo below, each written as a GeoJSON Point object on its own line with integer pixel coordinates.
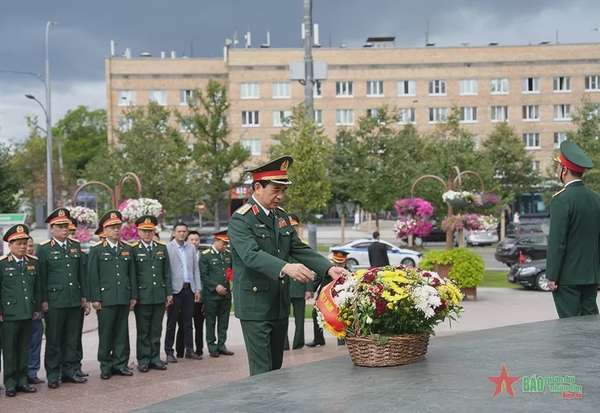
{"type": "Point", "coordinates": [482, 237]}
{"type": "Point", "coordinates": [358, 254]}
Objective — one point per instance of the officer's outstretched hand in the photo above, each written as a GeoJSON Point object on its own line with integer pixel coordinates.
{"type": "Point", "coordinates": [298, 272]}
{"type": "Point", "coordinates": [552, 286]}
{"type": "Point", "coordinates": [97, 305]}
{"type": "Point", "coordinates": [337, 272]}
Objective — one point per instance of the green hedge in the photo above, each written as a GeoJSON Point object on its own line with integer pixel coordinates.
{"type": "Point", "coordinates": [467, 267]}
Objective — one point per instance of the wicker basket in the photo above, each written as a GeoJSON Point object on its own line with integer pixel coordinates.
{"type": "Point", "coordinates": [403, 349]}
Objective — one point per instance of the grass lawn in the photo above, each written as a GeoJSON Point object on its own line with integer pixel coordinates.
{"type": "Point", "coordinates": [497, 279]}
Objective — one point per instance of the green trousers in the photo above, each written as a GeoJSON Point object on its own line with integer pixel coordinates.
{"type": "Point", "coordinates": [217, 315]}
{"type": "Point", "coordinates": [264, 344]}
{"type": "Point", "coordinates": [148, 321]}
{"type": "Point", "coordinates": [16, 336]}
{"type": "Point", "coordinates": [80, 340]}
{"type": "Point", "coordinates": [113, 332]}
{"type": "Point", "coordinates": [575, 300]}
{"type": "Point", "coordinates": [298, 308]}
{"type": "Point", "coordinates": [62, 334]}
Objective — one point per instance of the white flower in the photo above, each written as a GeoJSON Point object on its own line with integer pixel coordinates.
{"type": "Point", "coordinates": [369, 320]}
{"type": "Point", "coordinates": [426, 299]}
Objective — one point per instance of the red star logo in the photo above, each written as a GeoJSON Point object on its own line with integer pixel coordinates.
{"type": "Point", "coordinates": [504, 381]}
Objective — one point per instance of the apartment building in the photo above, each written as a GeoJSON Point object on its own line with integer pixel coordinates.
{"type": "Point", "coordinates": [535, 88]}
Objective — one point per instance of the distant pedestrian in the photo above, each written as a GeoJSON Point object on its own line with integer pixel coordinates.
{"type": "Point", "coordinates": [378, 256]}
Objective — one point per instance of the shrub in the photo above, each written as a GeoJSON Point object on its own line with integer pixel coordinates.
{"type": "Point", "coordinates": [467, 267]}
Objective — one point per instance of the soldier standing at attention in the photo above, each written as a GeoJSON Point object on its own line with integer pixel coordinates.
{"type": "Point", "coordinates": [113, 291]}
{"type": "Point", "coordinates": [573, 263]}
{"type": "Point", "coordinates": [61, 270]}
{"type": "Point", "coordinates": [37, 332]}
{"type": "Point", "coordinates": [19, 303]}
{"type": "Point", "coordinates": [216, 293]}
{"type": "Point", "coordinates": [263, 242]}
{"type": "Point", "coordinates": [152, 271]}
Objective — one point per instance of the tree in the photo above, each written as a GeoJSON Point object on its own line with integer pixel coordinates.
{"type": "Point", "coordinates": [311, 149]}
{"type": "Point", "coordinates": [213, 154]}
{"type": "Point", "coordinates": [153, 149]}
{"type": "Point", "coordinates": [504, 151]}
{"type": "Point", "coordinates": [9, 186]}
{"type": "Point", "coordinates": [587, 135]}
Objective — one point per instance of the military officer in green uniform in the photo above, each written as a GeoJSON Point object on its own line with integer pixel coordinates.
{"type": "Point", "coordinates": [152, 270]}
{"type": "Point", "coordinates": [113, 291]}
{"type": "Point", "coordinates": [573, 259]}
{"type": "Point", "coordinates": [61, 271]}
{"type": "Point", "coordinates": [262, 243]}
{"type": "Point", "coordinates": [19, 303]}
{"type": "Point", "coordinates": [216, 293]}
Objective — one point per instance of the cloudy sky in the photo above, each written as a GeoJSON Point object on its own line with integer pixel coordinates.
{"type": "Point", "coordinates": [80, 41]}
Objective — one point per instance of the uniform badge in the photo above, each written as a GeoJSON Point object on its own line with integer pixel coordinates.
{"type": "Point", "coordinates": [30, 267]}
{"type": "Point", "coordinates": [255, 210]}
{"type": "Point", "coordinates": [73, 250]}
{"type": "Point", "coordinates": [125, 253]}
{"type": "Point", "coordinates": [159, 253]}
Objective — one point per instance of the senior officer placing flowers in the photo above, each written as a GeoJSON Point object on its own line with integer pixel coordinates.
{"type": "Point", "coordinates": [263, 242]}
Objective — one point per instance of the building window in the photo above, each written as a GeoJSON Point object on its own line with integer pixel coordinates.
{"type": "Point", "coordinates": [531, 140]}
{"type": "Point", "coordinates": [250, 119]}
{"type": "Point", "coordinates": [535, 165]}
{"type": "Point", "coordinates": [437, 87]}
{"type": "Point", "coordinates": [375, 88]}
{"type": "Point", "coordinates": [344, 117]}
{"type": "Point", "coordinates": [124, 124]}
{"type": "Point", "coordinates": [158, 96]}
{"type": "Point", "coordinates": [559, 137]}
{"type": "Point", "coordinates": [407, 88]}
{"type": "Point", "coordinates": [252, 145]}
{"type": "Point", "coordinates": [281, 118]}
{"type": "Point", "coordinates": [318, 117]}
{"type": "Point", "coordinates": [561, 84]}
{"type": "Point", "coordinates": [592, 83]}
{"type": "Point", "coordinates": [249, 91]}
{"type": "Point", "coordinates": [531, 112]}
{"type": "Point", "coordinates": [499, 86]}
{"type": "Point", "coordinates": [562, 112]}
{"type": "Point", "coordinates": [406, 116]}
{"type": "Point", "coordinates": [468, 114]}
{"type": "Point", "coordinates": [185, 96]}
{"type": "Point", "coordinates": [126, 98]}
{"type": "Point", "coordinates": [317, 89]}
{"type": "Point", "coordinates": [373, 113]}
{"type": "Point", "coordinates": [468, 87]}
{"type": "Point", "coordinates": [281, 90]}
{"type": "Point", "coordinates": [438, 115]}
{"type": "Point", "coordinates": [499, 113]}
{"type": "Point", "coordinates": [531, 85]}
{"type": "Point", "coordinates": [343, 88]}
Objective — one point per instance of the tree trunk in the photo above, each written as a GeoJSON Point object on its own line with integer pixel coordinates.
{"type": "Point", "coordinates": [343, 229]}
{"type": "Point", "coordinates": [376, 222]}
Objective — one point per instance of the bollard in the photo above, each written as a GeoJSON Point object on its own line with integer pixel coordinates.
{"type": "Point", "coordinates": [312, 236]}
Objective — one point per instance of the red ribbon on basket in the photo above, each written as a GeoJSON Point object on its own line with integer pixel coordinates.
{"type": "Point", "coordinates": [329, 309]}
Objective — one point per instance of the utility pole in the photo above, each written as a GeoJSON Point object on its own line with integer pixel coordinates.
{"type": "Point", "coordinates": [49, 180]}
{"type": "Point", "coordinates": [308, 61]}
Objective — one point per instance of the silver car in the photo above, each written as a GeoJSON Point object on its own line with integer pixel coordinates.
{"type": "Point", "coordinates": [358, 254]}
{"type": "Point", "coordinates": [481, 237]}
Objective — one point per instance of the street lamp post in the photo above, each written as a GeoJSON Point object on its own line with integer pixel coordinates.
{"type": "Point", "coordinates": [49, 180]}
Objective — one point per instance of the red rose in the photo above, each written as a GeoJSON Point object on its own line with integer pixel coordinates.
{"type": "Point", "coordinates": [380, 307]}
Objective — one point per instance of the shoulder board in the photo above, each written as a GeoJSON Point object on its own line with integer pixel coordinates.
{"type": "Point", "coordinates": [32, 256]}
{"type": "Point", "coordinates": [134, 243]}
{"type": "Point", "coordinates": [562, 190]}
{"type": "Point", "coordinates": [206, 252]}
{"type": "Point", "coordinates": [161, 243]}
{"type": "Point", "coordinates": [76, 241]}
{"type": "Point", "coordinates": [280, 208]}
{"type": "Point", "coordinates": [45, 242]}
{"type": "Point", "coordinates": [243, 209]}
{"type": "Point", "coordinates": [2, 258]}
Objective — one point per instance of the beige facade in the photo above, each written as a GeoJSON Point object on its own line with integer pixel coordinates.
{"type": "Point", "coordinates": [537, 87]}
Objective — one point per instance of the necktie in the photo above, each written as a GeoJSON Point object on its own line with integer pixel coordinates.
{"type": "Point", "coordinates": [272, 215]}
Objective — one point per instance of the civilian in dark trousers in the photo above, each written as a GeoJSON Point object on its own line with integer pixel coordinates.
{"type": "Point", "coordinates": [185, 287]}
{"type": "Point", "coordinates": [198, 319]}
{"type": "Point", "coordinates": [378, 256]}
{"type": "Point", "coordinates": [35, 350]}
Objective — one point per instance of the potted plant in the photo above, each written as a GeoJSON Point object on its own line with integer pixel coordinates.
{"type": "Point", "coordinates": [387, 314]}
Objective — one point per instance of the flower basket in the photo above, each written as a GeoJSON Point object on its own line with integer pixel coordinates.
{"type": "Point", "coordinates": [443, 270]}
{"type": "Point", "coordinates": [395, 351]}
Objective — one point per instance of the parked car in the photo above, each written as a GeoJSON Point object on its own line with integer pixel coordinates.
{"type": "Point", "coordinates": [531, 247]}
{"type": "Point", "coordinates": [358, 254]}
{"type": "Point", "coordinates": [531, 275]}
{"type": "Point", "coordinates": [481, 237]}
{"type": "Point", "coordinates": [524, 228]}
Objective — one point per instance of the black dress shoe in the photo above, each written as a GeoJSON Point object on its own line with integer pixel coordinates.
{"type": "Point", "coordinates": [200, 353]}
{"type": "Point", "coordinates": [11, 393]}
{"type": "Point", "coordinates": [53, 385]}
{"type": "Point", "coordinates": [35, 380]}
{"type": "Point", "coordinates": [105, 376]}
{"type": "Point", "coordinates": [158, 366]}
{"type": "Point", "coordinates": [215, 355]}
{"type": "Point", "coordinates": [171, 358]}
{"type": "Point", "coordinates": [123, 372]}
{"type": "Point", "coordinates": [314, 344]}
{"type": "Point", "coordinates": [192, 356]}
{"type": "Point", "coordinates": [143, 369]}
{"type": "Point", "coordinates": [74, 379]}
{"type": "Point", "coordinates": [81, 373]}
{"type": "Point", "coordinates": [225, 351]}
{"type": "Point", "coordinates": [27, 388]}
{"type": "Point", "coordinates": [297, 347]}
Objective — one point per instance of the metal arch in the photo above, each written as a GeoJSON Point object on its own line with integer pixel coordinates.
{"type": "Point", "coordinates": [475, 174]}
{"type": "Point", "coordinates": [119, 188]}
{"type": "Point", "coordinates": [421, 178]}
{"type": "Point", "coordinates": [91, 183]}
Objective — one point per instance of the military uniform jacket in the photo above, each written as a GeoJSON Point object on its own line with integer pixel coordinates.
{"type": "Point", "coordinates": [261, 246]}
{"type": "Point", "coordinates": [212, 273]}
{"type": "Point", "coordinates": [62, 273]}
{"type": "Point", "coordinates": [574, 242]}
{"type": "Point", "coordinates": [19, 288]}
{"type": "Point", "coordinates": [153, 272]}
{"type": "Point", "coordinates": [112, 274]}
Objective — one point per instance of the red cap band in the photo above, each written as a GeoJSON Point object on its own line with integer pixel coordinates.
{"type": "Point", "coordinates": [570, 165]}
{"type": "Point", "coordinates": [269, 175]}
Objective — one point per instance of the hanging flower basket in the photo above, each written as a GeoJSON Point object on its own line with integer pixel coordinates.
{"type": "Point", "coordinates": [132, 209]}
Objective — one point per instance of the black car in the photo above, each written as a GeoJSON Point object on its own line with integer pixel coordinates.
{"type": "Point", "coordinates": [531, 275]}
{"type": "Point", "coordinates": [531, 246]}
